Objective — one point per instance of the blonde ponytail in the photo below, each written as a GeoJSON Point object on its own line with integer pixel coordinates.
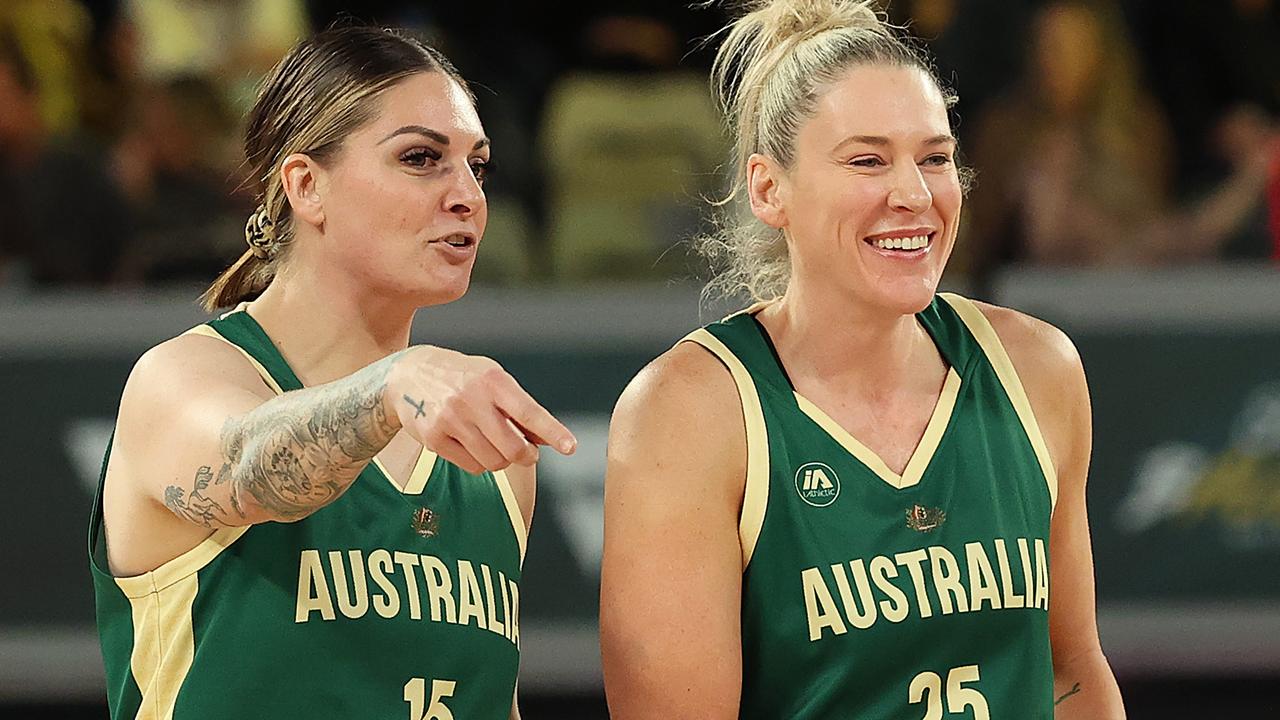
{"type": "Point", "coordinates": [772, 67]}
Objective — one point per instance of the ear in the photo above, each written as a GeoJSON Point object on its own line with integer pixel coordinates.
{"type": "Point", "coordinates": [304, 181]}
{"type": "Point", "coordinates": [766, 190]}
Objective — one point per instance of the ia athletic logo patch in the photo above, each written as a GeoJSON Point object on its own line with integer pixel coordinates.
{"type": "Point", "coordinates": [817, 484]}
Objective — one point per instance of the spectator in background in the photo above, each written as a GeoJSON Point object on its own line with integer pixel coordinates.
{"type": "Point", "coordinates": [64, 218]}
{"type": "Point", "coordinates": [113, 77]}
{"type": "Point", "coordinates": [1208, 60]}
{"type": "Point", "coordinates": [1073, 163]}
{"type": "Point", "coordinates": [630, 144]}
{"type": "Point", "coordinates": [1230, 221]}
{"type": "Point", "coordinates": [53, 37]}
{"type": "Point", "coordinates": [175, 162]}
{"type": "Point", "coordinates": [231, 41]}
{"type": "Point", "coordinates": [1223, 100]}
{"type": "Point", "coordinates": [976, 44]}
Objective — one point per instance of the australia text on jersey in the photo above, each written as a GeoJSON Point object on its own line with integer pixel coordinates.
{"type": "Point", "coordinates": [452, 595]}
{"type": "Point", "coordinates": [982, 585]}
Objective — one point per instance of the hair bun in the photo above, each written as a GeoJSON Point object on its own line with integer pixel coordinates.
{"type": "Point", "coordinates": [260, 233]}
{"type": "Point", "coordinates": [796, 20]}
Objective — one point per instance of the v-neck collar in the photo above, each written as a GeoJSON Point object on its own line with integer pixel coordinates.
{"type": "Point", "coordinates": [925, 449]}
{"type": "Point", "coordinates": [288, 380]}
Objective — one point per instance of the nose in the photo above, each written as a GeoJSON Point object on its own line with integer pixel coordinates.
{"type": "Point", "coordinates": [909, 191]}
{"type": "Point", "coordinates": [464, 197]}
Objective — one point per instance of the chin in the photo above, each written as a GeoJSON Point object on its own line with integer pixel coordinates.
{"type": "Point", "coordinates": [442, 296]}
{"type": "Point", "coordinates": [440, 293]}
{"type": "Point", "coordinates": [906, 297]}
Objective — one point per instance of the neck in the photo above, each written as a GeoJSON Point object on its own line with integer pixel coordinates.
{"type": "Point", "coordinates": [327, 327]}
{"type": "Point", "coordinates": [842, 341]}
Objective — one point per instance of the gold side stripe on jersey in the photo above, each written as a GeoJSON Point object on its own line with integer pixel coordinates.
{"type": "Point", "coordinates": [928, 445]}
{"type": "Point", "coordinates": [755, 496]}
{"type": "Point", "coordinates": [182, 567]}
{"type": "Point", "coordinates": [163, 645]}
{"type": "Point", "coordinates": [513, 510]}
{"type": "Point", "coordinates": [986, 336]}
{"type": "Point", "coordinates": [207, 331]}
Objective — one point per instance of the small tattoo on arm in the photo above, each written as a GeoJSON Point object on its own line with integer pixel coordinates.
{"type": "Point", "coordinates": [196, 507]}
{"type": "Point", "coordinates": [419, 405]}
{"type": "Point", "coordinates": [1074, 689]}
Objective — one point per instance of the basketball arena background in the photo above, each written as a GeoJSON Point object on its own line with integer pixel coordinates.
{"type": "Point", "coordinates": [1157, 121]}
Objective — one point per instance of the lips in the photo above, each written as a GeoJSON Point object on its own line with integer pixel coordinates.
{"type": "Point", "coordinates": [906, 242]}
{"type": "Point", "coordinates": [456, 240]}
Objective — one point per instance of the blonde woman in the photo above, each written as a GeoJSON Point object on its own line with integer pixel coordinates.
{"type": "Point", "coordinates": [300, 515]}
{"type": "Point", "coordinates": [843, 501]}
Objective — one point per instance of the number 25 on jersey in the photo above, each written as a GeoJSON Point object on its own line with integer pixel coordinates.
{"type": "Point", "coordinates": [927, 688]}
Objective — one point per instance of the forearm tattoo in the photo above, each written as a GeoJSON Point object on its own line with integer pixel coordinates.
{"type": "Point", "coordinates": [1075, 689]}
{"type": "Point", "coordinates": [294, 454]}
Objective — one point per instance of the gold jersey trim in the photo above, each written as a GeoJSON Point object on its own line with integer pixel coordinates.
{"type": "Point", "coordinates": [986, 336]}
{"type": "Point", "coordinates": [207, 331]}
{"type": "Point", "coordinates": [182, 567]}
{"type": "Point", "coordinates": [755, 496]}
{"type": "Point", "coordinates": [421, 473]}
{"type": "Point", "coordinates": [163, 645]}
{"type": "Point", "coordinates": [513, 510]}
{"type": "Point", "coordinates": [920, 457]}
{"type": "Point", "coordinates": [418, 477]}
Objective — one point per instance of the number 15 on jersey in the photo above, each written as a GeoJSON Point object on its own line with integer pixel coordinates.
{"type": "Point", "coordinates": [415, 693]}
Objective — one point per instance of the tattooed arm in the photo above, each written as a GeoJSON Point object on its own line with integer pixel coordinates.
{"type": "Point", "coordinates": [202, 438]}
{"type": "Point", "coordinates": [291, 455]}
{"type": "Point", "coordinates": [200, 433]}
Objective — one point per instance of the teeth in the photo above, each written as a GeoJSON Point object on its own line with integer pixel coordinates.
{"type": "Point", "coordinates": [908, 243]}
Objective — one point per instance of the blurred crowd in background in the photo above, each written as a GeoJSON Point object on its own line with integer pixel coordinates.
{"type": "Point", "coordinates": [1108, 133]}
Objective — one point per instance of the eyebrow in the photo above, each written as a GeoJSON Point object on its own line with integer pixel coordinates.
{"type": "Point", "coordinates": [881, 141]}
{"type": "Point", "coordinates": [429, 133]}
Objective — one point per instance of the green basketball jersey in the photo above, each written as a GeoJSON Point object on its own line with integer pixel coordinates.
{"type": "Point", "coordinates": [384, 604]}
{"type": "Point", "coordinates": [877, 596]}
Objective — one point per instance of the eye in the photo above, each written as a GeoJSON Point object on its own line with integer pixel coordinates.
{"type": "Point", "coordinates": [419, 157]}
{"type": "Point", "coordinates": [938, 160]}
{"type": "Point", "coordinates": [868, 161]}
{"type": "Point", "coordinates": [482, 169]}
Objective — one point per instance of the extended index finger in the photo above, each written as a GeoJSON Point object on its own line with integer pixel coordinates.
{"type": "Point", "coordinates": [538, 424]}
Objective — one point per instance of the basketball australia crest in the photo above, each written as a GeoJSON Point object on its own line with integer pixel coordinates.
{"type": "Point", "coordinates": [817, 484]}
{"type": "Point", "coordinates": [426, 522]}
{"type": "Point", "coordinates": [924, 519]}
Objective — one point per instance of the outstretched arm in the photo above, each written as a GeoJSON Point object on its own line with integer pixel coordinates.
{"type": "Point", "coordinates": [200, 433]}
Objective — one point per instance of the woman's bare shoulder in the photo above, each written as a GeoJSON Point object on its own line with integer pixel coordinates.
{"type": "Point", "coordinates": [680, 417]}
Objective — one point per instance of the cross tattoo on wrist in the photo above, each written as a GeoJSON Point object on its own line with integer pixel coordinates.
{"type": "Point", "coordinates": [419, 405]}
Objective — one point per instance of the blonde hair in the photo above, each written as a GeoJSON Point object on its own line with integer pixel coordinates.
{"type": "Point", "coordinates": [776, 61]}
{"type": "Point", "coordinates": [319, 93]}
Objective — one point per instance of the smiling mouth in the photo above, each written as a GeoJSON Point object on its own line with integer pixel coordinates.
{"type": "Point", "coordinates": [906, 243]}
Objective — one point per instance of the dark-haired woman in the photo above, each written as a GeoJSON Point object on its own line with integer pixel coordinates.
{"type": "Point", "coordinates": [301, 515]}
